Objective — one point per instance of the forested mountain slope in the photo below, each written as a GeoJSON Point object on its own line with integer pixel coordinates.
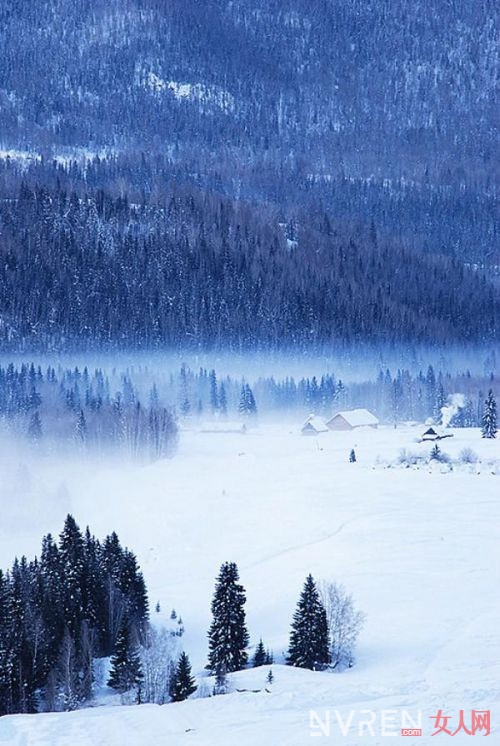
{"type": "Point", "coordinates": [194, 270]}
{"type": "Point", "coordinates": [375, 119]}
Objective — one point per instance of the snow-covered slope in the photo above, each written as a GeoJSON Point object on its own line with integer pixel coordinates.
{"type": "Point", "coordinates": [417, 547]}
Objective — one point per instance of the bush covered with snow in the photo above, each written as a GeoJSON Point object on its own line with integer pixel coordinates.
{"type": "Point", "coordinates": [467, 456]}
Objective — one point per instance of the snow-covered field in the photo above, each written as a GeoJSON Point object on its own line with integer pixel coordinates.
{"type": "Point", "coordinates": [418, 548]}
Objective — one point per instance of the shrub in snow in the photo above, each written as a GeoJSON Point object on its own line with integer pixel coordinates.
{"type": "Point", "coordinates": [203, 691]}
{"type": "Point", "coordinates": [221, 685]}
{"type": "Point", "coordinates": [437, 454]}
{"type": "Point", "coordinates": [409, 458]}
{"type": "Point", "coordinates": [344, 624]}
{"type": "Point", "coordinates": [468, 456]}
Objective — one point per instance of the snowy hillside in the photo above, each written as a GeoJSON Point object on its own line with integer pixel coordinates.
{"type": "Point", "coordinates": [417, 546]}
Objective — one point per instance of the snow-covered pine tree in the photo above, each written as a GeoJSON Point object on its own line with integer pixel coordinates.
{"type": "Point", "coordinates": [251, 405]}
{"type": "Point", "coordinates": [214, 398]}
{"type": "Point", "coordinates": [489, 419]}
{"type": "Point", "coordinates": [81, 428]}
{"type": "Point", "coordinates": [7, 654]}
{"type": "Point", "coordinates": [309, 645]}
{"type": "Point", "coordinates": [132, 586]}
{"type": "Point", "coordinates": [228, 635]}
{"type": "Point", "coordinates": [435, 454]}
{"type": "Point", "coordinates": [35, 427]}
{"type": "Point", "coordinates": [247, 406]}
{"type": "Point", "coordinates": [222, 399]}
{"type": "Point", "coordinates": [52, 601]}
{"type": "Point", "coordinates": [94, 592]}
{"type": "Point", "coordinates": [71, 557]}
{"type": "Point", "coordinates": [125, 673]}
{"type": "Point", "coordinates": [242, 406]}
{"type": "Point", "coordinates": [259, 658]}
{"type": "Point", "coordinates": [183, 683]}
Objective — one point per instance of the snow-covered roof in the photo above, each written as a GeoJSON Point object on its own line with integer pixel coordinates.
{"type": "Point", "coordinates": [316, 423]}
{"type": "Point", "coordinates": [357, 417]}
{"type": "Point", "coordinates": [431, 431]}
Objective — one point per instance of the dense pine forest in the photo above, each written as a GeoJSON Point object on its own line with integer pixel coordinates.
{"type": "Point", "coordinates": [62, 610]}
{"type": "Point", "coordinates": [192, 270]}
{"type": "Point", "coordinates": [247, 175]}
{"type": "Point", "coordinates": [138, 412]}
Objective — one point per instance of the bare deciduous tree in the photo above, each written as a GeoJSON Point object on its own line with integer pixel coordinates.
{"type": "Point", "coordinates": [344, 623]}
{"type": "Point", "coordinates": [158, 658]}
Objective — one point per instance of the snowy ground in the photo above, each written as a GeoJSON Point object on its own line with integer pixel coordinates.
{"type": "Point", "coordinates": [418, 548]}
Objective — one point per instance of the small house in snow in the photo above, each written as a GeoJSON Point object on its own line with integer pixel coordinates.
{"type": "Point", "coordinates": [432, 433]}
{"type": "Point", "coordinates": [352, 419]}
{"type": "Point", "coordinates": [314, 425]}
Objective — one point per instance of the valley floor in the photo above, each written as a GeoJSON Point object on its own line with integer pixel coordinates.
{"type": "Point", "coordinates": [417, 547]}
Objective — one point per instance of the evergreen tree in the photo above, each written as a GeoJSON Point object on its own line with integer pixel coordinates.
{"type": "Point", "coordinates": [247, 406]}
{"type": "Point", "coordinates": [35, 427]}
{"type": "Point", "coordinates": [184, 392]}
{"type": "Point", "coordinates": [183, 683]}
{"type": "Point", "coordinates": [81, 428]}
{"type": "Point", "coordinates": [125, 672]}
{"type": "Point", "coordinates": [133, 589]}
{"type": "Point", "coordinates": [270, 677]}
{"type": "Point", "coordinates": [52, 603]}
{"type": "Point", "coordinates": [489, 419]}
{"type": "Point", "coordinates": [352, 456]}
{"type": "Point", "coordinates": [214, 398]}
{"type": "Point", "coordinates": [72, 563]}
{"type": "Point", "coordinates": [435, 454]}
{"type": "Point", "coordinates": [309, 636]}
{"type": "Point", "coordinates": [259, 658]}
{"type": "Point", "coordinates": [7, 659]}
{"type": "Point", "coordinates": [222, 399]}
{"type": "Point", "coordinates": [228, 636]}
{"type": "Point", "coordinates": [440, 403]}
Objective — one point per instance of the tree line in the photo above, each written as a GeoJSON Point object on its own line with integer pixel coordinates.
{"type": "Point", "coordinates": [138, 409]}
{"type": "Point", "coordinates": [80, 409]}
